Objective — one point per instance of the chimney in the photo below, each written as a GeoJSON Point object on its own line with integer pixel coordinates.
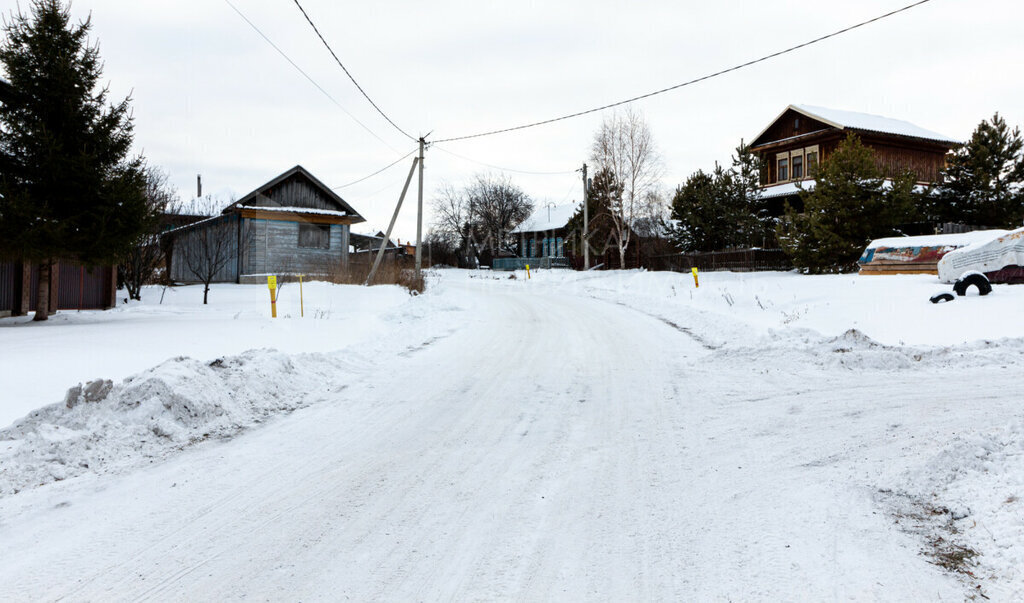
{"type": "Point", "coordinates": [199, 185]}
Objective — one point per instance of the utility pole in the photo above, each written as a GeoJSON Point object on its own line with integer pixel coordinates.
{"type": "Point", "coordinates": [387, 235]}
{"type": "Point", "coordinates": [586, 223]}
{"type": "Point", "coordinates": [419, 218]}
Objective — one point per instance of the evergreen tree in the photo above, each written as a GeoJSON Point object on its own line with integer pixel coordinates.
{"type": "Point", "coordinates": [69, 189]}
{"type": "Point", "coordinates": [698, 207]}
{"type": "Point", "coordinates": [983, 183]}
{"type": "Point", "coordinates": [757, 225]}
{"type": "Point", "coordinates": [850, 205]}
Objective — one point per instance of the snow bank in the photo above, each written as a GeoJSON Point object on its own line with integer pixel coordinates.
{"type": "Point", "coordinates": [104, 427]}
{"type": "Point", "coordinates": [855, 351]}
{"type": "Point", "coordinates": [974, 492]}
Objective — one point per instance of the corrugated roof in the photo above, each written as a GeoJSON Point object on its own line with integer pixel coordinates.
{"type": "Point", "coordinates": [853, 120]}
{"type": "Point", "coordinates": [873, 123]}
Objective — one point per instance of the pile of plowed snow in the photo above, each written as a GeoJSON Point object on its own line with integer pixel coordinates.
{"type": "Point", "coordinates": [853, 350]}
{"type": "Point", "coordinates": [105, 427]}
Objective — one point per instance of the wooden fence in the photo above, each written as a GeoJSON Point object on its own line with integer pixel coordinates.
{"type": "Point", "coordinates": [74, 287]}
{"type": "Point", "coordinates": [742, 260]}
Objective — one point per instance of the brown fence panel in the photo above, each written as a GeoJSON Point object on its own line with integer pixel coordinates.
{"type": "Point", "coordinates": [83, 287]}
{"type": "Point", "coordinates": [8, 285]}
{"type": "Point", "coordinates": [78, 287]}
{"type": "Point", "coordinates": [742, 260]}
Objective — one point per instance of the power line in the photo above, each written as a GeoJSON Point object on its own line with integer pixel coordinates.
{"type": "Point", "coordinates": [688, 83]}
{"type": "Point", "coordinates": [378, 171]}
{"type": "Point", "coordinates": [498, 167]}
{"type": "Point", "coordinates": [307, 76]}
{"type": "Point", "coordinates": [343, 68]}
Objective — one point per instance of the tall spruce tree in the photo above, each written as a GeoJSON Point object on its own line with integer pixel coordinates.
{"type": "Point", "coordinates": [983, 183]}
{"type": "Point", "coordinates": [702, 208]}
{"type": "Point", "coordinates": [757, 225]}
{"type": "Point", "coordinates": [850, 205]}
{"type": "Point", "coordinates": [70, 189]}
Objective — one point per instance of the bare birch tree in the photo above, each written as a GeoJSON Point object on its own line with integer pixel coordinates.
{"type": "Point", "coordinates": [625, 146]}
{"type": "Point", "coordinates": [208, 246]}
{"type": "Point", "coordinates": [140, 263]}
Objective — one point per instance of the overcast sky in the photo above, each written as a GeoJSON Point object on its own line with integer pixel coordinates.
{"type": "Point", "coordinates": [210, 96]}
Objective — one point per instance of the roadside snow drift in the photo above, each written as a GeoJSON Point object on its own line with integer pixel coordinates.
{"type": "Point", "coordinates": [180, 402]}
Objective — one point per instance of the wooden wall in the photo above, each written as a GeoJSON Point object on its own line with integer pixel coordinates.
{"type": "Point", "coordinates": [273, 249]}
{"type": "Point", "coordinates": [787, 127]}
{"type": "Point", "coordinates": [192, 240]}
{"type": "Point", "coordinates": [893, 157]}
{"type": "Point", "coordinates": [294, 191]}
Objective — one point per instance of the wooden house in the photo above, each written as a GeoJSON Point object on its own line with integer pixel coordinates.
{"type": "Point", "coordinates": [293, 224]}
{"type": "Point", "coordinates": [802, 137]}
{"type": "Point", "coordinates": [542, 239]}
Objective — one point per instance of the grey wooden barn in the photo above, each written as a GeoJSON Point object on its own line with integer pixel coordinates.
{"type": "Point", "coordinates": [293, 224]}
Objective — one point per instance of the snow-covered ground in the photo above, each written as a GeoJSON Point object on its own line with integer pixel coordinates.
{"type": "Point", "coordinates": [617, 435]}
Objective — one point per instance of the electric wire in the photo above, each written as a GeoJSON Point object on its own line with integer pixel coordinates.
{"type": "Point", "coordinates": [343, 68]}
{"type": "Point", "coordinates": [307, 76]}
{"type": "Point", "coordinates": [498, 167]}
{"type": "Point", "coordinates": [367, 177]}
{"type": "Point", "coordinates": [687, 83]}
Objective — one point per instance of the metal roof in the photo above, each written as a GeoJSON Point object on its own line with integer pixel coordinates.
{"type": "Point", "coordinates": [867, 122]}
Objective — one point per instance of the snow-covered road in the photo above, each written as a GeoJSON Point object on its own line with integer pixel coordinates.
{"type": "Point", "coordinates": [534, 445]}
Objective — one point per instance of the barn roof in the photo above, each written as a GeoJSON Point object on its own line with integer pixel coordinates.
{"type": "Point", "coordinates": [852, 120]}
{"type": "Point", "coordinates": [260, 192]}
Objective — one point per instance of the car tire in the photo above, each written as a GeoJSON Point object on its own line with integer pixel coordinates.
{"type": "Point", "coordinates": [977, 279]}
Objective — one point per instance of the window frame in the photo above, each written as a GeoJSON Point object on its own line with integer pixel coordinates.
{"type": "Point", "coordinates": [782, 167]}
{"type": "Point", "coordinates": [809, 169]}
{"type": "Point", "coordinates": [793, 157]}
{"type": "Point", "coordinates": [323, 232]}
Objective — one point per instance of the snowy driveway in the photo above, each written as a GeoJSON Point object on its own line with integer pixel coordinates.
{"type": "Point", "coordinates": [536, 445]}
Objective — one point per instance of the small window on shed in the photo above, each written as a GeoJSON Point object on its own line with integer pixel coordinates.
{"type": "Point", "coordinates": [315, 236]}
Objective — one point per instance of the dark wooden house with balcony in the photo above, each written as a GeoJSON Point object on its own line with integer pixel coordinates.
{"type": "Point", "coordinates": [802, 136]}
{"type": "Point", "coordinates": [293, 224]}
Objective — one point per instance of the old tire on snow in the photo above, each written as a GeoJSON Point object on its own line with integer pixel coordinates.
{"type": "Point", "coordinates": [942, 297]}
{"type": "Point", "coordinates": [977, 279]}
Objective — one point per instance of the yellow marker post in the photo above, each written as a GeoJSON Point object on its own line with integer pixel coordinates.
{"type": "Point", "coordinates": [527, 272]}
{"type": "Point", "coordinates": [272, 285]}
{"type": "Point", "coordinates": [302, 307]}
{"type": "Point", "coordinates": [696, 283]}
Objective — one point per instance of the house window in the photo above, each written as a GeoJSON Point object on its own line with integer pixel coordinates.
{"type": "Point", "coordinates": [315, 236]}
{"type": "Point", "coordinates": [798, 167]}
{"type": "Point", "coordinates": [783, 170]}
{"type": "Point", "coordinates": [812, 162]}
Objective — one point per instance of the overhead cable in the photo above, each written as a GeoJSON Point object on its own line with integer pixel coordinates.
{"type": "Point", "coordinates": [345, 69]}
{"type": "Point", "coordinates": [498, 167]}
{"type": "Point", "coordinates": [367, 177]}
{"type": "Point", "coordinates": [307, 76]}
{"type": "Point", "coordinates": [688, 83]}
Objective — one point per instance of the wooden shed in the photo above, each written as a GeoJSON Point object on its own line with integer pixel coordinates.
{"type": "Point", "coordinates": [293, 224]}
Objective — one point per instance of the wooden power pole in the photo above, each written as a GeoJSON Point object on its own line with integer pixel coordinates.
{"type": "Point", "coordinates": [419, 218]}
{"type": "Point", "coordinates": [586, 223]}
